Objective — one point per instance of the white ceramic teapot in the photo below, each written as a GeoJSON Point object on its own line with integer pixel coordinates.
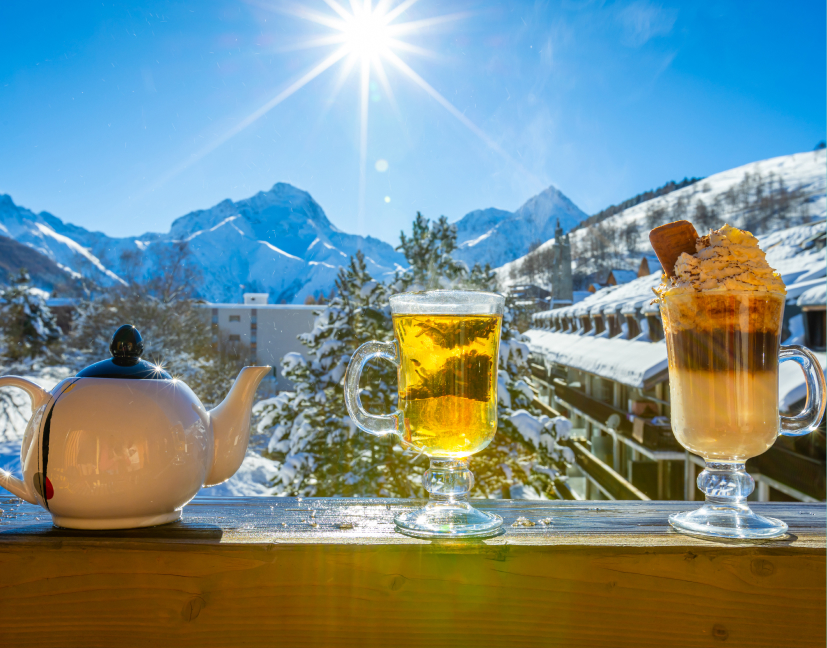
{"type": "Point", "coordinates": [123, 444]}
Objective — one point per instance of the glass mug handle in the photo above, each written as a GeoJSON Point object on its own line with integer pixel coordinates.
{"type": "Point", "coordinates": [809, 418]}
{"type": "Point", "coordinates": [380, 425]}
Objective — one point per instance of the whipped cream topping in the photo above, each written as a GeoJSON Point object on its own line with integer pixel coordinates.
{"type": "Point", "coordinates": [726, 259]}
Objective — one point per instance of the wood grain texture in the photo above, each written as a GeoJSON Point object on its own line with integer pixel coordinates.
{"type": "Point", "coordinates": [284, 572]}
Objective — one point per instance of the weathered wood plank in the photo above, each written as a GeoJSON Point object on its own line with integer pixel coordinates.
{"type": "Point", "coordinates": [258, 572]}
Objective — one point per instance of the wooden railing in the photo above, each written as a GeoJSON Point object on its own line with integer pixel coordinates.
{"type": "Point", "coordinates": [610, 482]}
{"type": "Point", "coordinates": [333, 572]}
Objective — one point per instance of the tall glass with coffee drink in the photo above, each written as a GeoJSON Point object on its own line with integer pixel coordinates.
{"type": "Point", "coordinates": [446, 349]}
{"type": "Point", "coordinates": [722, 338]}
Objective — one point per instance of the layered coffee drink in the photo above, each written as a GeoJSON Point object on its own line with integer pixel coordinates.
{"type": "Point", "coordinates": [722, 316]}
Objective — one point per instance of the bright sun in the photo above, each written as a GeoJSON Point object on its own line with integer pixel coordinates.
{"type": "Point", "coordinates": [372, 37]}
{"type": "Point", "coordinates": [366, 34]}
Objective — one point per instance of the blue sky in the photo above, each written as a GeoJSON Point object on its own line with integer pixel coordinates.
{"type": "Point", "coordinates": [116, 116]}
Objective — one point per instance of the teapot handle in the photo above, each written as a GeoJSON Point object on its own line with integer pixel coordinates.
{"type": "Point", "coordinates": [39, 397]}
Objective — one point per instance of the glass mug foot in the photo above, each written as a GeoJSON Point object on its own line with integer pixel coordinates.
{"type": "Point", "coordinates": [726, 513]}
{"type": "Point", "coordinates": [448, 520]}
{"type": "Point", "coordinates": [727, 523]}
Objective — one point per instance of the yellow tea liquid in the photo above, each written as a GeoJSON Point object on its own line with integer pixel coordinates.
{"type": "Point", "coordinates": [448, 381]}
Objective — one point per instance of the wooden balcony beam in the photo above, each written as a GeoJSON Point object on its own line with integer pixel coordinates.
{"type": "Point", "coordinates": [332, 572]}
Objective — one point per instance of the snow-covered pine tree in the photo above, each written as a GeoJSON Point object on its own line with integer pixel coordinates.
{"type": "Point", "coordinates": [428, 252]}
{"type": "Point", "coordinates": [28, 327]}
{"type": "Point", "coordinates": [319, 450]}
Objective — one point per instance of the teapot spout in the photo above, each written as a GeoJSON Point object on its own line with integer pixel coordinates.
{"type": "Point", "coordinates": [231, 425]}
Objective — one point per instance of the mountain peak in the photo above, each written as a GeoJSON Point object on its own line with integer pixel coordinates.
{"type": "Point", "coordinates": [497, 237]}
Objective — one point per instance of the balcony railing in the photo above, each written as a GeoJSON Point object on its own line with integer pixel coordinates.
{"type": "Point", "coordinates": [332, 572]}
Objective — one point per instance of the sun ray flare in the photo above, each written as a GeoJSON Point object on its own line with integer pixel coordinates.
{"type": "Point", "coordinates": [396, 11]}
{"type": "Point", "coordinates": [363, 139]}
{"type": "Point", "coordinates": [422, 83]}
{"type": "Point", "coordinates": [367, 34]}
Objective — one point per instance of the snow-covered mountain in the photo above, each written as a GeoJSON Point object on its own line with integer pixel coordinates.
{"type": "Point", "coordinates": [496, 236]}
{"type": "Point", "coordinates": [279, 242]}
{"type": "Point", "coordinates": [68, 246]}
{"type": "Point", "coordinates": [735, 196]}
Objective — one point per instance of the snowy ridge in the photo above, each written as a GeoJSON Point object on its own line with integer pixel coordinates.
{"type": "Point", "coordinates": [806, 171]}
{"type": "Point", "coordinates": [69, 247]}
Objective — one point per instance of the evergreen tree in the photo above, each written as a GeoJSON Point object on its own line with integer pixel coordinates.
{"type": "Point", "coordinates": [320, 450]}
{"type": "Point", "coordinates": [28, 327]}
{"type": "Point", "coordinates": [428, 251]}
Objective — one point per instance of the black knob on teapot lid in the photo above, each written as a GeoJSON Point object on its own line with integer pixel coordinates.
{"type": "Point", "coordinates": [127, 343]}
{"type": "Point", "coordinates": [126, 348]}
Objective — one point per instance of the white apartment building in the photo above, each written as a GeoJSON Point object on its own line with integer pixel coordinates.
{"type": "Point", "coordinates": [265, 332]}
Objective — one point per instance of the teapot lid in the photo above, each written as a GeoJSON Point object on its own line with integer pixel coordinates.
{"type": "Point", "coordinates": [126, 348]}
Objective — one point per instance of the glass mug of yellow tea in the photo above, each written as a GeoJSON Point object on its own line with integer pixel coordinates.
{"type": "Point", "coordinates": [723, 349]}
{"type": "Point", "coordinates": [446, 349]}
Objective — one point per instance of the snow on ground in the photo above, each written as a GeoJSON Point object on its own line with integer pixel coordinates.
{"type": "Point", "coordinates": [252, 479]}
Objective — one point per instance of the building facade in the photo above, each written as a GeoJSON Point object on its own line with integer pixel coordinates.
{"type": "Point", "coordinates": [261, 332]}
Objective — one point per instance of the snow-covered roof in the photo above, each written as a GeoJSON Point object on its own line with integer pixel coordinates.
{"type": "Point", "coordinates": [800, 287]}
{"type": "Point", "coordinates": [815, 296]}
{"type": "Point", "coordinates": [611, 298]}
{"type": "Point", "coordinates": [803, 270]}
{"type": "Point", "coordinates": [792, 254]}
{"type": "Point", "coordinates": [637, 364]}
{"type": "Point", "coordinates": [624, 276]}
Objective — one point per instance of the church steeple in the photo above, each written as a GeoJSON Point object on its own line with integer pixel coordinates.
{"type": "Point", "coordinates": [561, 272]}
{"type": "Point", "coordinates": [558, 231]}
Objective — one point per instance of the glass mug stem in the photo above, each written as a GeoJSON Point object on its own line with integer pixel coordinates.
{"type": "Point", "coordinates": [448, 480]}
